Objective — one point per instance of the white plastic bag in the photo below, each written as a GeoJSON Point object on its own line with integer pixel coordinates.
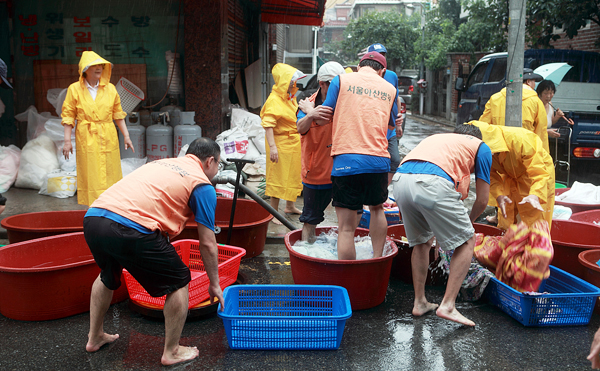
{"type": "Point", "coordinates": [128, 165]}
{"type": "Point", "coordinates": [38, 158]}
{"type": "Point", "coordinates": [59, 184]}
{"type": "Point", "coordinates": [233, 143]}
{"type": "Point", "coordinates": [561, 212]}
{"type": "Point", "coordinates": [10, 157]}
{"type": "Point", "coordinates": [251, 125]}
{"type": "Point", "coordinates": [581, 193]}
{"type": "Point", "coordinates": [56, 97]}
{"type": "Point", "coordinates": [183, 150]}
{"type": "Point", "coordinates": [35, 121]}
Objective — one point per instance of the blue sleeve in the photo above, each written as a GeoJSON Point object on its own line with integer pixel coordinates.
{"type": "Point", "coordinates": [483, 163]}
{"type": "Point", "coordinates": [203, 203]}
{"type": "Point", "coordinates": [332, 93]}
{"type": "Point", "coordinates": [300, 115]}
{"type": "Point", "coordinates": [392, 78]}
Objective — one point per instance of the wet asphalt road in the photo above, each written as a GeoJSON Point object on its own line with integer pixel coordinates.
{"type": "Point", "coordinates": [386, 337]}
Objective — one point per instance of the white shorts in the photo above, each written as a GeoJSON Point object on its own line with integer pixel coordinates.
{"type": "Point", "coordinates": [430, 206]}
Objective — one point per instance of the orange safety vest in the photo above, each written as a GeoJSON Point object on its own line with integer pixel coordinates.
{"type": "Point", "coordinates": [156, 195]}
{"type": "Point", "coordinates": [362, 113]}
{"type": "Point", "coordinates": [316, 152]}
{"type": "Point", "coordinates": [453, 153]}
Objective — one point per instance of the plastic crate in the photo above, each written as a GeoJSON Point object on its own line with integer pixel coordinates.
{"type": "Point", "coordinates": [229, 263]}
{"type": "Point", "coordinates": [570, 300]}
{"type": "Point", "coordinates": [285, 316]}
{"type": "Point", "coordinates": [392, 217]}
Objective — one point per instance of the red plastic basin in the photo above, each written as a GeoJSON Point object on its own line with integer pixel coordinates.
{"type": "Point", "coordinates": [575, 208]}
{"type": "Point", "coordinates": [569, 238]}
{"type": "Point", "coordinates": [591, 270]}
{"type": "Point", "coordinates": [250, 225]}
{"type": "Point", "coordinates": [28, 226]}
{"type": "Point", "coordinates": [48, 278]}
{"type": "Point", "coordinates": [590, 216]}
{"type": "Point", "coordinates": [366, 280]}
{"type": "Point", "coordinates": [401, 267]}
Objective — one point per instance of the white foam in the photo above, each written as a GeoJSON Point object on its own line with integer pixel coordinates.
{"type": "Point", "coordinates": [325, 247]}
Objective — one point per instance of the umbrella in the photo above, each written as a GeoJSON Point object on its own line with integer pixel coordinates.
{"type": "Point", "coordinates": [554, 72]}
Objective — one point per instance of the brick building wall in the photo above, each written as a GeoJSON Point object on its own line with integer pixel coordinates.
{"type": "Point", "coordinates": [458, 60]}
{"type": "Point", "coordinates": [584, 40]}
{"type": "Point", "coordinates": [276, 37]}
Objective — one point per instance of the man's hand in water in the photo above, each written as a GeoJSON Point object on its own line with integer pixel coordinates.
{"type": "Point", "coordinates": [533, 201]}
{"type": "Point", "coordinates": [502, 201]}
{"type": "Point", "coordinates": [594, 355]}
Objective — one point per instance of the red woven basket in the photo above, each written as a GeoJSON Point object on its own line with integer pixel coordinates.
{"type": "Point", "coordinates": [229, 265]}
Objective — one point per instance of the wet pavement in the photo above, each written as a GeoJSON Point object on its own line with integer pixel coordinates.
{"type": "Point", "coordinates": [386, 337]}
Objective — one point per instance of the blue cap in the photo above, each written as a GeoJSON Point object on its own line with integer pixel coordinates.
{"type": "Point", "coordinates": [4, 75]}
{"type": "Point", "coordinates": [377, 47]}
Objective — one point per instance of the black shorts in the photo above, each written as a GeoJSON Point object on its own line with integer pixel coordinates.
{"type": "Point", "coordinates": [149, 258]}
{"type": "Point", "coordinates": [315, 203]}
{"type": "Point", "coordinates": [354, 191]}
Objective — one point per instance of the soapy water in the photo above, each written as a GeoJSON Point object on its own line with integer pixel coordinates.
{"type": "Point", "coordinates": [325, 247]}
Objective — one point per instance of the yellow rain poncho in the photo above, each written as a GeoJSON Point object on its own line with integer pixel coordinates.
{"type": "Point", "coordinates": [519, 168]}
{"type": "Point", "coordinates": [533, 113]}
{"type": "Point", "coordinates": [284, 178]}
{"type": "Point", "coordinates": [97, 143]}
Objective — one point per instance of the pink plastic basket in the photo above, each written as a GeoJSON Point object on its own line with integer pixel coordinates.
{"type": "Point", "coordinates": [229, 264]}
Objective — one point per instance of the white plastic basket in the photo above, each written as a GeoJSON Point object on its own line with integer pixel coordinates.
{"type": "Point", "coordinates": [130, 94]}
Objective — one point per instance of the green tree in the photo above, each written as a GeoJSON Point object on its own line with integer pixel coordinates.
{"type": "Point", "coordinates": [395, 31]}
{"type": "Point", "coordinates": [570, 15]}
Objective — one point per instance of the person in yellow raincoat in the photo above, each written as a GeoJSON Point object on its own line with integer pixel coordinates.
{"type": "Point", "coordinates": [522, 176]}
{"type": "Point", "coordinates": [533, 110]}
{"type": "Point", "coordinates": [278, 114]}
{"type": "Point", "coordinates": [93, 101]}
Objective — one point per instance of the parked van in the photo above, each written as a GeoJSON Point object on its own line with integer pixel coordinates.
{"type": "Point", "coordinates": [578, 96]}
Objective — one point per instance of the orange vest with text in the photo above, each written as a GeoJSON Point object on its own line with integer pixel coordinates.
{"type": "Point", "coordinates": [453, 153]}
{"type": "Point", "coordinates": [316, 152]}
{"type": "Point", "coordinates": [156, 195]}
{"type": "Point", "coordinates": [362, 113]}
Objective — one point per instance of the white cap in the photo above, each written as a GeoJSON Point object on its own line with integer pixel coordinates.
{"type": "Point", "coordinates": [330, 70]}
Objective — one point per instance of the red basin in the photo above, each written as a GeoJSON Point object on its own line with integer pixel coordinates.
{"type": "Point", "coordinates": [590, 216]}
{"type": "Point", "coordinates": [591, 270]}
{"type": "Point", "coordinates": [401, 267]}
{"type": "Point", "coordinates": [366, 280]}
{"type": "Point", "coordinates": [48, 278]}
{"type": "Point", "coordinates": [575, 208]}
{"type": "Point", "coordinates": [569, 238]}
{"type": "Point", "coordinates": [24, 227]}
{"type": "Point", "coordinates": [250, 225]}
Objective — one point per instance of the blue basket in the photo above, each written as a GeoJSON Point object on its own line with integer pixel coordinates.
{"type": "Point", "coordinates": [570, 300]}
{"type": "Point", "coordinates": [392, 217]}
{"type": "Point", "coordinates": [285, 316]}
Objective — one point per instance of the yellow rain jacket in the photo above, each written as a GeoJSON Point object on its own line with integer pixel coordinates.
{"type": "Point", "coordinates": [519, 168]}
{"type": "Point", "coordinates": [534, 113]}
{"type": "Point", "coordinates": [284, 179]}
{"type": "Point", "coordinates": [97, 143]}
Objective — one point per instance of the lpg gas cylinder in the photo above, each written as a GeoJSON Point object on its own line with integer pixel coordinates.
{"type": "Point", "coordinates": [185, 134]}
{"type": "Point", "coordinates": [159, 142]}
{"type": "Point", "coordinates": [137, 134]}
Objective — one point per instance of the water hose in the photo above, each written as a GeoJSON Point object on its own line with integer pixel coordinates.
{"type": "Point", "coordinates": [220, 179]}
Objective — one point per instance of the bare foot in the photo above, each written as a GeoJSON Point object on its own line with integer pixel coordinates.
{"type": "Point", "coordinates": [97, 343]}
{"type": "Point", "coordinates": [421, 309]}
{"type": "Point", "coordinates": [454, 315]}
{"type": "Point", "coordinates": [276, 221]}
{"type": "Point", "coordinates": [183, 354]}
{"type": "Point", "coordinates": [295, 210]}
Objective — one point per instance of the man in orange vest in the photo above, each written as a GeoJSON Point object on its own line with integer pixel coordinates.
{"type": "Point", "coordinates": [129, 226]}
{"type": "Point", "coordinates": [362, 104]}
{"type": "Point", "coordinates": [429, 187]}
{"type": "Point", "coordinates": [316, 151]}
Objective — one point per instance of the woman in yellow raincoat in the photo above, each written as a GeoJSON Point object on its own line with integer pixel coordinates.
{"type": "Point", "coordinates": [93, 101]}
{"type": "Point", "coordinates": [522, 175]}
{"type": "Point", "coordinates": [278, 114]}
